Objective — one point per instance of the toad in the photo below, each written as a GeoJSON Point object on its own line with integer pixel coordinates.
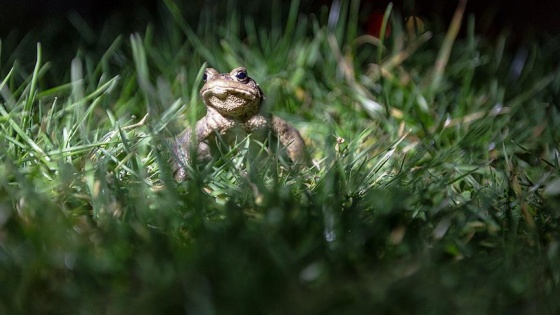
{"type": "Point", "coordinates": [234, 107]}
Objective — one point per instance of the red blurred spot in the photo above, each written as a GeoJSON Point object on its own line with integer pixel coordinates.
{"type": "Point", "coordinates": [374, 23]}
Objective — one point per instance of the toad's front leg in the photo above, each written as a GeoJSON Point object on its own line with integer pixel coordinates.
{"type": "Point", "coordinates": [291, 139]}
{"type": "Point", "coordinates": [185, 144]}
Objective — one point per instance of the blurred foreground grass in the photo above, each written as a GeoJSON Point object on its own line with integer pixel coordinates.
{"type": "Point", "coordinates": [436, 188]}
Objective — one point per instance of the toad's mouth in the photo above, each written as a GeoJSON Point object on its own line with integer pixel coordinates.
{"type": "Point", "coordinates": [223, 92]}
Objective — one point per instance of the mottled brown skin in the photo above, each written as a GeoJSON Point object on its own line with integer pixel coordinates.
{"type": "Point", "coordinates": [234, 103]}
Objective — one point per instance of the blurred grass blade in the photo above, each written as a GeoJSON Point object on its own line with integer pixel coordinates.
{"type": "Point", "coordinates": [384, 24]}
{"type": "Point", "coordinates": [447, 45]}
{"type": "Point", "coordinates": [292, 19]}
{"type": "Point", "coordinates": [3, 83]}
{"type": "Point", "coordinates": [141, 65]}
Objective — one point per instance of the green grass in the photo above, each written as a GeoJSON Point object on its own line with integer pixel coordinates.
{"type": "Point", "coordinates": [436, 188]}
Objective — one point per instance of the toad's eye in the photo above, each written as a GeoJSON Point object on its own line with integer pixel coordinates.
{"type": "Point", "coordinates": [241, 75]}
{"type": "Point", "coordinates": [205, 77]}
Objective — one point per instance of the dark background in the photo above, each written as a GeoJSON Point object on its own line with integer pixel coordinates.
{"type": "Point", "coordinates": [525, 19]}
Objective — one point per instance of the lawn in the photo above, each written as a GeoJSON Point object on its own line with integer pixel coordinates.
{"type": "Point", "coordinates": [435, 187]}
